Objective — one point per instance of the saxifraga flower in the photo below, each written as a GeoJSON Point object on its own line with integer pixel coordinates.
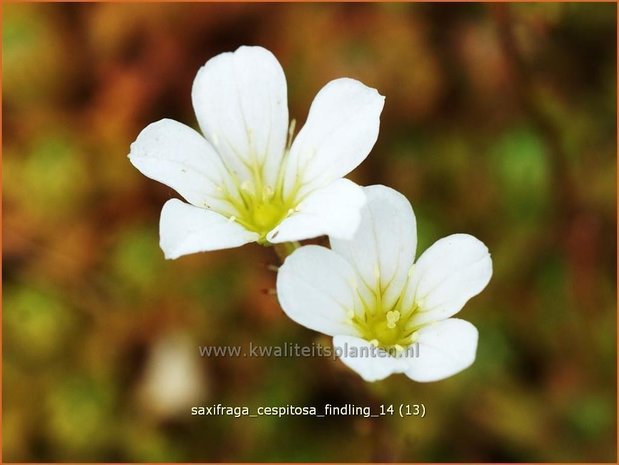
{"type": "Point", "coordinates": [242, 180]}
{"type": "Point", "coordinates": [369, 293]}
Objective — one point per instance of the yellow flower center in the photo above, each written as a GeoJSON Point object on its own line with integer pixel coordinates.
{"type": "Point", "coordinates": [256, 205]}
{"type": "Point", "coordinates": [390, 328]}
{"type": "Point", "coordinates": [259, 207]}
{"type": "Point", "coordinates": [261, 212]}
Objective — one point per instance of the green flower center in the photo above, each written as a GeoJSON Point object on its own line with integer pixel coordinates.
{"type": "Point", "coordinates": [259, 207]}
{"type": "Point", "coordinates": [262, 211]}
{"type": "Point", "coordinates": [388, 327]}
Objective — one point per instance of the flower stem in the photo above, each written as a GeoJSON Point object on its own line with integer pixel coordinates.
{"type": "Point", "coordinates": [284, 249]}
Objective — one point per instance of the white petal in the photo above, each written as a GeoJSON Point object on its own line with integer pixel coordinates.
{"type": "Point", "coordinates": [315, 288]}
{"type": "Point", "coordinates": [445, 348]}
{"type": "Point", "coordinates": [240, 102]}
{"type": "Point", "coordinates": [447, 275]}
{"type": "Point", "coordinates": [179, 157]}
{"type": "Point", "coordinates": [185, 229]}
{"type": "Point", "coordinates": [383, 248]}
{"type": "Point", "coordinates": [334, 210]}
{"type": "Point", "coordinates": [371, 363]}
{"type": "Point", "coordinates": [341, 129]}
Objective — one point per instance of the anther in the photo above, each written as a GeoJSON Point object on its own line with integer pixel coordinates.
{"type": "Point", "coordinates": [392, 318]}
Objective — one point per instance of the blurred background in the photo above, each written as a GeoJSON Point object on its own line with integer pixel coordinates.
{"type": "Point", "coordinates": [500, 121]}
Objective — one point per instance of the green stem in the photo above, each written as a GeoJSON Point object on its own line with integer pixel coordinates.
{"type": "Point", "coordinates": [284, 249]}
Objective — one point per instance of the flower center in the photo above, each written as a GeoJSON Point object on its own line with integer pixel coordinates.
{"type": "Point", "coordinates": [259, 207]}
{"type": "Point", "coordinates": [262, 213]}
{"type": "Point", "coordinates": [388, 328]}
{"type": "Point", "coordinates": [255, 204]}
{"type": "Point", "coordinates": [266, 215]}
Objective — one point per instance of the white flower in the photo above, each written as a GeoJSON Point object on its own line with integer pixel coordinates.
{"type": "Point", "coordinates": [371, 297]}
{"type": "Point", "coordinates": [243, 183]}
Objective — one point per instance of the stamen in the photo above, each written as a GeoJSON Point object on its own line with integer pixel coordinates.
{"type": "Point", "coordinates": [392, 318]}
{"type": "Point", "coordinates": [267, 193]}
{"type": "Point", "coordinates": [293, 124]}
